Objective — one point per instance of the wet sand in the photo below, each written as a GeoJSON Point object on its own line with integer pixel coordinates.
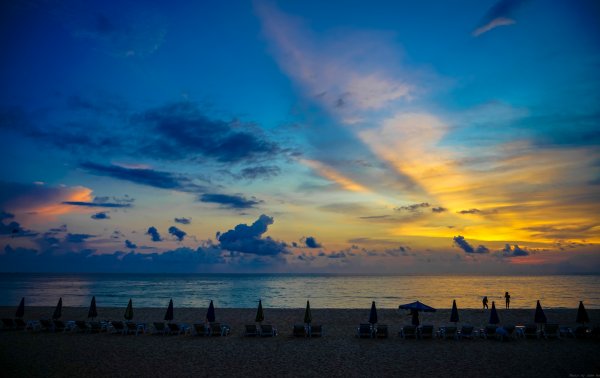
{"type": "Point", "coordinates": [338, 353]}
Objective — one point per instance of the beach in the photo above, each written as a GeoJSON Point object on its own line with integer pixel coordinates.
{"type": "Point", "coordinates": [338, 353]}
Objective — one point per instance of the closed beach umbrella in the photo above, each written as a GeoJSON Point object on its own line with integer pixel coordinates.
{"type": "Point", "coordinates": [210, 314]}
{"type": "Point", "coordinates": [373, 314]}
{"type": "Point", "coordinates": [129, 310]}
{"type": "Point", "coordinates": [582, 315]}
{"type": "Point", "coordinates": [58, 310]}
{"type": "Point", "coordinates": [307, 314]}
{"type": "Point", "coordinates": [454, 313]}
{"type": "Point", "coordinates": [539, 317]}
{"type": "Point", "coordinates": [169, 313]}
{"type": "Point", "coordinates": [415, 318]}
{"type": "Point", "coordinates": [494, 319]}
{"type": "Point", "coordinates": [21, 309]}
{"type": "Point", "coordinates": [92, 312]}
{"type": "Point", "coordinates": [260, 315]}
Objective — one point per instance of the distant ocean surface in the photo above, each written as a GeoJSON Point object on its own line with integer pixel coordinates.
{"type": "Point", "coordinates": [292, 290]}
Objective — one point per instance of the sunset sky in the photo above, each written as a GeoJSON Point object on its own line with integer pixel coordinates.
{"type": "Point", "coordinates": [300, 136]}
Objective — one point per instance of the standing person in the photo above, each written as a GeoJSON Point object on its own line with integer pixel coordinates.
{"type": "Point", "coordinates": [485, 302]}
{"type": "Point", "coordinates": [507, 297]}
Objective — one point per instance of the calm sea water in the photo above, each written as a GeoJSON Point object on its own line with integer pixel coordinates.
{"type": "Point", "coordinates": [292, 291]}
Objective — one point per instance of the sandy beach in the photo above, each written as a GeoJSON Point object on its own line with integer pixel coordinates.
{"type": "Point", "coordinates": [337, 353]}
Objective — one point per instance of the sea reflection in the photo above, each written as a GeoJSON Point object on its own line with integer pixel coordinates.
{"type": "Point", "coordinates": [291, 291]}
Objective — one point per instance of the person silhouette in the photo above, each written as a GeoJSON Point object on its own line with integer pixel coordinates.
{"type": "Point", "coordinates": [507, 297]}
{"type": "Point", "coordinates": [485, 302]}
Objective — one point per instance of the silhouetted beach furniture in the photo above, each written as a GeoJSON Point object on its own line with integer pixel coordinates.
{"type": "Point", "coordinates": [373, 315]}
{"type": "Point", "coordinates": [508, 333]}
{"type": "Point", "coordinates": [466, 332]}
{"type": "Point", "coordinates": [415, 308]}
{"type": "Point", "coordinates": [449, 332]}
{"type": "Point", "coordinates": [59, 325]}
{"type": "Point", "coordinates": [218, 329]}
{"type": "Point", "coordinates": [81, 326]}
{"type": "Point", "coordinates": [176, 329]}
{"type": "Point", "coordinates": [94, 327]}
{"type": "Point", "coordinates": [8, 323]}
{"type": "Point", "coordinates": [488, 332]}
{"type": "Point", "coordinates": [315, 331]}
{"type": "Point", "coordinates": [582, 332]}
{"type": "Point", "coordinates": [409, 331]}
{"type": "Point", "coordinates": [551, 331]}
{"type": "Point", "coordinates": [381, 331]}
{"type": "Point", "coordinates": [129, 310]}
{"type": "Point", "coordinates": [307, 319]}
{"type": "Point", "coordinates": [454, 313]}
{"type": "Point", "coordinates": [251, 330]}
{"type": "Point", "coordinates": [159, 328]}
{"type": "Point", "coordinates": [364, 330]}
{"type": "Point", "coordinates": [531, 331]}
{"type": "Point", "coordinates": [118, 327]}
{"type": "Point", "coordinates": [267, 330]}
{"type": "Point", "coordinates": [299, 330]}
{"type": "Point", "coordinates": [169, 314]}
{"type": "Point", "coordinates": [46, 325]}
{"type": "Point", "coordinates": [426, 332]}
{"type": "Point", "coordinates": [134, 328]}
{"type": "Point", "coordinates": [20, 324]}
{"type": "Point", "coordinates": [210, 313]}
{"type": "Point", "coordinates": [539, 316]}
{"type": "Point", "coordinates": [201, 329]}
{"type": "Point", "coordinates": [58, 310]}
{"type": "Point", "coordinates": [494, 318]}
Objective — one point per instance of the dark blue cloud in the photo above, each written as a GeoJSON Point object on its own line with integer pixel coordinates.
{"type": "Point", "coordinates": [14, 229]}
{"type": "Point", "coordinates": [183, 220]}
{"type": "Point", "coordinates": [179, 234]}
{"type": "Point", "coordinates": [462, 243]}
{"type": "Point", "coordinates": [4, 215]}
{"type": "Point", "coordinates": [142, 176]}
{"type": "Point", "coordinates": [230, 201]}
{"type": "Point", "coordinates": [470, 211]}
{"type": "Point", "coordinates": [101, 202]}
{"type": "Point", "coordinates": [247, 239]}
{"type": "Point", "coordinates": [263, 171]}
{"type": "Point", "coordinates": [77, 238]}
{"type": "Point", "coordinates": [311, 242]}
{"type": "Point", "coordinates": [438, 209]}
{"type": "Point", "coordinates": [130, 245]}
{"type": "Point", "coordinates": [335, 255]}
{"type": "Point", "coordinates": [153, 232]}
{"type": "Point", "coordinates": [413, 208]}
{"type": "Point", "coordinates": [514, 251]}
{"type": "Point", "coordinates": [101, 215]}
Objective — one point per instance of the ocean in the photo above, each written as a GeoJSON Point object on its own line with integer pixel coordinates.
{"type": "Point", "coordinates": [292, 290]}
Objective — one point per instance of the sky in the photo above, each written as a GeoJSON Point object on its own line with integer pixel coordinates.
{"type": "Point", "coordinates": [380, 137]}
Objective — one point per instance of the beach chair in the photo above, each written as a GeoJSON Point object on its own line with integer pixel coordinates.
{"type": "Point", "coordinates": [46, 325]}
{"type": "Point", "coordinates": [426, 332]}
{"type": "Point", "coordinates": [531, 332]}
{"type": "Point", "coordinates": [59, 325]}
{"type": "Point", "coordinates": [582, 332]}
{"type": "Point", "coordinates": [8, 323]}
{"type": "Point", "coordinates": [118, 327]}
{"type": "Point", "coordinates": [450, 332]}
{"type": "Point", "coordinates": [215, 329]}
{"type": "Point", "coordinates": [409, 331]}
{"type": "Point", "coordinates": [381, 331]}
{"type": "Point", "coordinates": [133, 328]}
{"type": "Point", "coordinates": [315, 331]}
{"type": "Point", "coordinates": [201, 329]}
{"type": "Point", "coordinates": [94, 327]}
{"type": "Point", "coordinates": [81, 326]}
{"type": "Point", "coordinates": [159, 328]}
{"type": "Point", "coordinates": [267, 330]}
{"type": "Point", "coordinates": [466, 332]}
{"type": "Point", "coordinates": [488, 332]}
{"type": "Point", "coordinates": [299, 330]}
{"type": "Point", "coordinates": [364, 331]}
{"type": "Point", "coordinates": [508, 334]}
{"type": "Point", "coordinates": [175, 329]}
{"type": "Point", "coordinates": [551, 331]}
{"type": "Point", "coordinates": [20, 324]}
{"type": "Point", "coordinates": [251, 330]}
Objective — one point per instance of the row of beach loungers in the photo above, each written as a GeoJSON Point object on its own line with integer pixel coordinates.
{"type": "Point", "coordinates": [365, 330]}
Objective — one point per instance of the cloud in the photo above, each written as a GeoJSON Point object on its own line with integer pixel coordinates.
{"type": "Point", "coordinates": [311, 242]}
{"type": "Point", "coordinates": [148, 177]}
{"type": "Point", "coordinates": [77, 238]}
{"type": "Point", "coordinates": [100, 215]}
{"type": "Point", "coordinates": [230, 201]}
{"type": "Point", "coordinates": [183, 220]}
{"type": "Point", "coordinates": [247, 239]}
{"type": "Point", "coordinates": [413, 208]}
{"type": "Point", "coordinates": [514, 251]}
{"type": "Point", "coordinates": [501, 14]}
{"type": "Point", "coordinates": [462, 243]}
{"type": "Point", "coordinates": [179, 234]}
{"type": "Point", "coordinates": [100, 202]}
{"type": "Point", "coordinates": [154, 235]}
{"type": "Point", "coordinates": [14, 229]}
{"type": "Point", "coordinates": [130, 245]}
{"type": "Point", "coordinates": [263, 171]}
{"type": "Point", "coordinates": [335, 255]}
{"type": "Point", "coordinates": [438, 209]}
{"type": "Point", "coordinates": [470, 211]}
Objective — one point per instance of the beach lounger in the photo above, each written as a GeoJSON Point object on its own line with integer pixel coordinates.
{"type": "Point", "coordinates": [20, 324]}
{"type": "Point", "coordinates": [299, 330]}
{"type": "Point", "coordinates": [364, 331]}
{"type": "Point", "coordinates": [488, 332]}
{"type": "Point", "coordinates": [466, 332]}
{"type": "Point", "coordinates": [8, 323]}
{"type": "Point", "coordinates": [450, 332]}
{"type": "Point", "coordinates": [175, 329]}
{"type": "Point", "coordinates": [507, 334]}
{"type": "Point", "coordinates": [531, 331]}
{"type": "Point", "coordinates": [315, 331]}
{"type": "Point", "coordinates": [215, 329]}
{"type": "Point", "coordinates": [251, 330]}
{"type": "Point", "coordinates": [133, 328]}
{"type": "Point", "coordinates": [409, 331]}
{"type": "Point", "coordinates": [426, 332]}
{"type": "Point", "coordinates": [551, 331]}
{"type": "Point", "coordinates": [582, 332]}
{"type": "Point", "coordinates": [81, 326]}
{"type": "Point", "coordinates": [381, 331]}
{"type": "Point", "coordinates": [59, 325]}
{"type": "Point", "coordinates": [201, 329]}
{"type": "Point", "coordinates": [159, 328]}
{"type": "Point", "coordinates": [46, 325]}
{"type": "Point", "coordinates": [95, 327]}
{"type": "Point", "coordinates": [118, 327]}
{"type": "Point", "coordinates": [267, 330]}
